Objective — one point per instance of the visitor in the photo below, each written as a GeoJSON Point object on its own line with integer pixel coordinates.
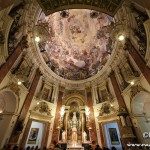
{"type": "Point", "coordinates": [8, 147]}
{"type": "Point", "coordinates": [90, 147]}
{"type": "Point", "coordinates": [44, 148]}
{"type": "Point", "coordinates": [28, 148]}
{"type": "Point", "coordinates": [57, 147]}
{"type": "Point", "coordinates": [97, 147]}
{"type": "Point", "coordinates": [36, 148]}
{"type": "Point", "coordinates": [15, 147]}
{"type": "Point", "coordinates": [113, 148]}
{"type": "Point", "coordinates": [105, 148]}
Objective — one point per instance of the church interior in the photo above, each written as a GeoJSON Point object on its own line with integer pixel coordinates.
{"type": "Point", "coordinates": [75, 73]}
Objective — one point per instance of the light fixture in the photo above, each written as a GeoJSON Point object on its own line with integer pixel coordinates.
{"type": "Point", "coordinates": [37, 39]}
{"type": "Point", "coordinates": [111, 105]}
{"type": "Point", "coordinates": [132, 82]}
{"type": "Point", "coordinates": [90, 128]}
{"type": "Point", "coordinates": [119, 31]}
{"type": "Point", "coordinates": [1, 111]}
{"type": "Point", "coordinates": [19, 82]}
{"type": "Point", "coordinates": [37, 103]}
{"type": "Point", "coordinates": [62, 111]}
{"type": "Point", "coordinates": [121, 37]}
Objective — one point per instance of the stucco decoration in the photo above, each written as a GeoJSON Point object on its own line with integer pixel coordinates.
{"type": "Point", "coordinates": [106, 109]}
{"type": "Point", "coordinates": [135, 90]}
{"type": "Point", "coordinates": [43, 108]}
{"type": "Point", "coordinates": [108, 6]}
{"type": "Point", "coordinates": [78, 46]}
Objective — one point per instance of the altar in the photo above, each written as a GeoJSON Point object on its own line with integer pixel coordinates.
{"type": "Point", "coordinates": [74, 131]}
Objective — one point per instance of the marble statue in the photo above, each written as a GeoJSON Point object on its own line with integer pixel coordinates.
{"type": "Point", "coordinates": [64, 136]}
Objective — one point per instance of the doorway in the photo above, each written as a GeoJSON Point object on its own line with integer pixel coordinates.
{"type": "Point", "coordinates": [112, 135]}
{"type": "Point", "coordinates": [35, 135]}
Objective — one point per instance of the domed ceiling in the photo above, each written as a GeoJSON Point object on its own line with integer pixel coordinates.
{"type": "Point", "coordinates": [78, 45]}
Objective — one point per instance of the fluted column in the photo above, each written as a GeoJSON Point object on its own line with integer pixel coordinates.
{"type": "Point", "coordinates": [5, 68]}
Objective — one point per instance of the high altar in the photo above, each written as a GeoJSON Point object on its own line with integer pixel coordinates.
{"type": "Point", "coordinates": [75, 128]}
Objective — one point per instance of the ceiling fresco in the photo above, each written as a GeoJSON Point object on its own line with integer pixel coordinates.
{"type": "Point", "coordinates": [79, 45]}
{"type": "Point", "coordinates": [109, 7]}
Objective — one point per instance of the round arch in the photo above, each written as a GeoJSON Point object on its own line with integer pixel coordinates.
{"type": "Point", "coordinates": [109, 7]}
{"type": "Point", "coordinates": [8, 107]}
{"type": "Point", "coordinates": [74, 98]}
{"type": "Point", "coordinates": [140, 105]}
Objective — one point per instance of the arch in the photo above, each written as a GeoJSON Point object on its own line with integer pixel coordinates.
{"type": "Point", "coordinates": [109, 7]}
{"type": "Point", "coordinates": [8, 107]}
{"type": "Point", "coordinates": [139, 101]}
{"type": "Point", "coordinates": [74, 98]}
{"type": "Point", "coordinates": [140, 105]}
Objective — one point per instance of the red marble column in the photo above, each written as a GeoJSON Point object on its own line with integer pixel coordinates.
{"type": "Point", "coordinates": [92, 118]}
{"type": "Point", "coordinates": [25, 134]}
{"type": "Point", "coordinates": [15, 136]}
{"type": "Point", "coordinates": [5, 68]}
{"type": "Point", "coordinates": [124, 130]}
{"type": "Point", "coordinates": [143, 3]}
{"type": "Point", "coordinates": [29, 96]}
{"type": "Point", "coordinates": [6, 3]}
{"type": "Point", "coordinates": [101, 134]}
{"type": "Point", "coordinates": [47, 134]}
{"type": "Point", "coordinates": [138, 60]}
{"type": "Point", "coordinates": [117, 90]}
{"type": "Point", "coordinates": [57, 119]}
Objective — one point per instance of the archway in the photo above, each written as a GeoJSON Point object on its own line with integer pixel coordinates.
{"type": "Point", "coordinates": [109, 7]}
{"type": "Point", "coordinates": [8, 107]}
{"type": "Point", "coordinates": [140, 108]}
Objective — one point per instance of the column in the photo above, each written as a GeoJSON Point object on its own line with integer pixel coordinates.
{"type": "Point", "coordinates": [5, 68]}
{"type": "Point", "coordinates": [143, 3]}
{"type": "Point", "coordinates": [6, 3]}
{"type": "Point", "coordinates": [83, 121]}
{"type": "Point", "coordinates": [15, 136]}
{"type": "Point", "coordinates": [92, 118]}
{"type": "Point", "coordinates": [55, 134]}
{"type": "Point", "coordinates": [125, 131]}
{"type": "Point", "coordinates": [138, 60]}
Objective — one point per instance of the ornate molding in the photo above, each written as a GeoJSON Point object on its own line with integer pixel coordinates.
{"type": "Point", "coordinates": [135, 90]}
{"type": "Point", "coordinates": [42, 108]}
{"type": "Point", "coordinates": [13, 87]}
{"type": "Point", "coordinates": [38, 116]}
{"type": "Point", "coordinates": [106, 109]}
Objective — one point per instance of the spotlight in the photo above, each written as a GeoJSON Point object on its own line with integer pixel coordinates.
{"type": "Point", "coordinates": [19, 83]}
{"type": "Point", "coordinates": [37, 39]}
{"type": "Point", "coordinates": [37, 103]}
{"type": "Point", "coordinates": [111, 105]}
{"type": "Point", "coordinates": [121, 37]}
{"type": "Point", "coordinates": [132, 83]}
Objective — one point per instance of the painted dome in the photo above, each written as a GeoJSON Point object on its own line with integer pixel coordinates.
{"type": "Point", "coordinates": [78, 46]}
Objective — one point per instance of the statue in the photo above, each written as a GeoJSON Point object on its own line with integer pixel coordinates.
{"type": "Point", "coordinates": [84, 137]}
{"type": "Point", "coordinates": [74, 120]}
{"type": "Point", "coordinates": [64, 136]}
